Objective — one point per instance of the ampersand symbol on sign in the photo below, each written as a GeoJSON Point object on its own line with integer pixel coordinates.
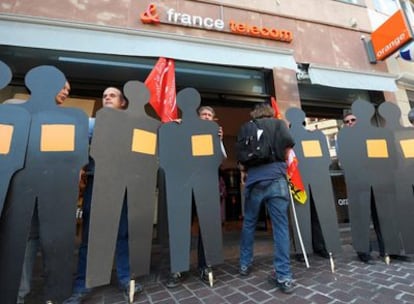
{"type": "Point", "coordinates": [150, 15]}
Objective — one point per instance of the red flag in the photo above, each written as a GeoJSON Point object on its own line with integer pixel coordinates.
{"type": "Point", "coordinates": [161, 84]}
{"type": "Point", "coordinates": [295, 180]}
{"type": "Point", "coordinates": [276, 108]}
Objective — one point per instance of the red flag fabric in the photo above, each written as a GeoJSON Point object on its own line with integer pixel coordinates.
{"type": "Point", "coordinates": [276, 108]}
{"type": "Point", "coordinates": [295, 180]}
{"type": "Point", "coordinates": [161, 84]}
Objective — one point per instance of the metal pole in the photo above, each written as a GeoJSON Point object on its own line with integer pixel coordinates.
{"type": "Point", "coordinates": [298, 230]}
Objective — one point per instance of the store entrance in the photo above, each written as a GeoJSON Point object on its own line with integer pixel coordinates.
{"type": "Point", "coordinates": [231, 91]}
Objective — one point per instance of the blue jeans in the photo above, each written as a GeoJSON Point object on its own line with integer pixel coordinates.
{"type": "Point", "coordinates": [122, 249]}
{"type": "Point", "coordinates": [276, 197]}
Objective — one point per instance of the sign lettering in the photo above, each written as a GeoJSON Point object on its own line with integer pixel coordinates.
{"type": "Point", "coordinates": [151, 16]}
{"type": "Point", "coordinates": [390, 36]}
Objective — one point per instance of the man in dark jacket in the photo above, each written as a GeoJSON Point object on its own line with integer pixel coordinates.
{"type": "Point", "coordinates": [267, 183]}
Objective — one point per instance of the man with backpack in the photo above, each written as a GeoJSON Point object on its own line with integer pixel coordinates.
{"type": "Point", "coordinates": [262, 148]}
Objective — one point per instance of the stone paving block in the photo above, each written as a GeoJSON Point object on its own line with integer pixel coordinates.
{"type": "Point", "coordinates": [192, 300]}
{"type": "Point", "coordinates": [297, 300]}
{"type": "Point", "coordinates": [341, 296]}
{"type": "Point", "coordinates": [321, 288]}
{"type": "Point", "coordinates": [236, 298]}
{"type": "Point", "coordinates": [319, 298]}
{"type": "Point", "coordinates": [248, 289]}
{"type": "Point", "coordinates": [182, 294]}
{"type": "Point", "coordinates": [204, 292]}
{"type": "Point", "coordinates": [362, 292]}
{"type": "Point", "coordinates": [160, 296]}
{"type": "Point", "coordinates": [407, 297]}
{"type": "Point", "coordinates": [213, 299]}
{"type": "Point", "coordinates": [260, 296]}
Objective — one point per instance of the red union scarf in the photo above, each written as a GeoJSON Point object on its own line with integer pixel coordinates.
{"type": "Point", "coordinates": [295, 180]}
{"type": "Point", "coordinates": [161, 84]}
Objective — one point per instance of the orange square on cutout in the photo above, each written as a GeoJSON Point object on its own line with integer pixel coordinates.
{"type": "Point", "coordinates": [202, 145]}
{"type": "Point", "coordinates": [144, 142]}
{"type": "Point", "coordinates": [407, 146]}
{"type": "Point", "coordinates": [377, 148]}
{"type": "Point", "coordinates": [57, 138]}
{"type": "Point", "coordinates": [311, 148]}
{"type": "Point", "coordinates": [6, 135]}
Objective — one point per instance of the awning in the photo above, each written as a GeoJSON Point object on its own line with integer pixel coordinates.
{"type": "Point", "coordinates": [59, 35]}
{"type": "Point", "coordinates": [349, 79]}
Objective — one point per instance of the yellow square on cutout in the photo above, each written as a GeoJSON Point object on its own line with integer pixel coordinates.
{"type": "Point", "coordinates": [6, 135]}
{"type": "Point", "coordinates": [202, 145]}
{"type": "Point", "coordinates": [377, 148]}
{"type": "Point", "coordinates": [57, 138]}
{"type": "Point", "coordinates": [311, 148]}
{"type": "Point", "coordinates": [144, 142]}
{"type": "Point", "coordinates": [407, 146]}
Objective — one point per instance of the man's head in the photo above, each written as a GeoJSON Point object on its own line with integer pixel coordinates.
{"type": "Point", "coordinates": [206, 113]}
{"type": "Point", "coordinates": [349, 120]}
{"type": "Point", "coordinates": [262, 110]}
{"type": "Point", "coordinates": [411, 116]}
{"type": "Point", "coordinates": [63, 94]}
{"type": "Point", "coordinates": [113, 98]}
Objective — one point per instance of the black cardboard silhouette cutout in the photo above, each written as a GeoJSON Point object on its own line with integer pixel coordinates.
{"type": "Point", "coordinates": [190, 156]}
{"type": "Point", "coordinates": [57, 149]}
{"type": "Point", "coordinates": [313, 157]}
{"type": "Point", "coordinates": [5, 75]}
{"type": "Point", "coordinates": [124, 149]}
{"type": "Point", "coordinates": [404, 173]}
{"type": "Point", "coordinates": [367, 155]}
{"type": "Point", "coordinates": [14, 132]}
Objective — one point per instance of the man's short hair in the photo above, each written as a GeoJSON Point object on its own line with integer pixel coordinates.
{"type": "Point", "coordinates": [202, 108]}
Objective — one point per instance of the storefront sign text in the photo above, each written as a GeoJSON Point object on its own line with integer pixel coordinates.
{"type": "Point", "coordinates": [151, 16]}
{"type": "Point", "coordinates": [390, 36]}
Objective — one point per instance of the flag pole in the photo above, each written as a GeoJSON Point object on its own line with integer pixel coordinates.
{"type": "Point", "coordinates": [298, 230]}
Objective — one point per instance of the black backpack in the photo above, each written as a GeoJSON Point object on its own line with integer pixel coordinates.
{"type": "Point", "coordinates": [254, 145]}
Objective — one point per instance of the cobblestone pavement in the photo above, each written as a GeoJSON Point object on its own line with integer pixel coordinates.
{"type": "Point", "coordinates": [352, 281]}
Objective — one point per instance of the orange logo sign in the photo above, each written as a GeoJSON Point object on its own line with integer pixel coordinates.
{"type": "Point", "coordinates": [390, 36]}
{"type": "Point", "coordinates": [150, 15]}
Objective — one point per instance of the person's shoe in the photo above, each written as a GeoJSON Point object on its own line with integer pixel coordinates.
{"type": "Point", "coordinates": [174, 280]}
{"type": "Point", "coordinates": [244, 270]}
{"type": "Point", "coordinates": [285, 286]}
{"type": "Point", "coordinates": [137, 289]}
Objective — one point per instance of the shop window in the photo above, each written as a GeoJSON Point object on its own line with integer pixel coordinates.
{"type": "Point", "coordinates": [386, 6]}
